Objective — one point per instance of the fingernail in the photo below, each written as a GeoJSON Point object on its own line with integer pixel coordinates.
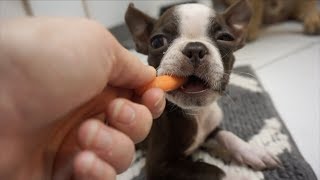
{"type": "Point", "coordinates": [159, 106]}
{"type": "Point", "coordinates": [97, 137]}
{"type": "Point", "coordinates": [104, 140]}
{"type": "Point", "coordinates": [159, 102]}
{"type": "Point", "coordinates": [99, 170]}
{"type": "Point", "coordinates": [152, 69]}
{"type": "Point", "coordinates": [91, 134]}
{"type": "Point", "coordinates": [87, 162]}
{"type": "Point", "coordinates": [123, 113]}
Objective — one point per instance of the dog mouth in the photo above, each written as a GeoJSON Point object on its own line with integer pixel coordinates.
{"type": "Point", "coordinates": [194, 85]}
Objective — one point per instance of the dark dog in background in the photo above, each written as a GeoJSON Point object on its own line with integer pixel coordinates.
{"type": "Point", "coordinates": [193, 41]}
{"type": "Point", "coordinates": [272, 11]}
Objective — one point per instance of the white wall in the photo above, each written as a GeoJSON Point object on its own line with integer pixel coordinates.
{"type": "Point", "coordinates": [57, 7]}
{"type": "Point", "coordinates": [108, 12]}
{"type": "Point", "coordinates": [112, 12]}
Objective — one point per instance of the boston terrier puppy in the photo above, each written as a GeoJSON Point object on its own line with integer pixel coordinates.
{"type": "Point", "coordinates": [193, 41]}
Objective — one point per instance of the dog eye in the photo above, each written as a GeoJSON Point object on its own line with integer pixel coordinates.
{"type": "Point", "coordinates": [223, 36]}
{"type": "Point", "coordinates": [158, 41]}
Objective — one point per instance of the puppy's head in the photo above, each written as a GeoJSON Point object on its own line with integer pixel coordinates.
{"type": "Point", "coordinates": [192, 41]}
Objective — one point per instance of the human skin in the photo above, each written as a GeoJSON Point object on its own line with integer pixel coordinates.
{"type": "Point", "coordinates": [57, 76]}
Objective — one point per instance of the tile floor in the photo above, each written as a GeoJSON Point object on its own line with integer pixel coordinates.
{"type": "Point", "coordinates": [288, 64]}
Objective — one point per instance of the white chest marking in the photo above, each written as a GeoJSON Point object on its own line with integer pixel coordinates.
{"type": "Point", "coordinates": [207, 122]}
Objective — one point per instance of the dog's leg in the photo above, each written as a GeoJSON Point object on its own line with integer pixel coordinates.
{"type": "Point", "coordinates": [256, 20]}
{"type": "Point", "coordinates": [256, 157]}
{"type": "Point", "coordinates": [306, 12]}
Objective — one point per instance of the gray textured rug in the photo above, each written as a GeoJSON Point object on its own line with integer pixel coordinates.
{"type": "Point", "coordinates": [249, 113]}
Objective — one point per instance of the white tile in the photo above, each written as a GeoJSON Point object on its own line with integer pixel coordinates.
{"type": "Point", "coordinates": [275, 43]}
{"type": "Point", "coordinates": [294, 85]}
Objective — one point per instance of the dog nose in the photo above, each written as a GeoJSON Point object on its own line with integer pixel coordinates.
{"type": "Point", "coordinates": [195, 51]}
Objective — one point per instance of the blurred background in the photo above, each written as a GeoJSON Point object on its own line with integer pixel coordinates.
{"type": "Point", "coordinates": [285, 60]}
{"type": "Point", "coordinates": [108, 12]}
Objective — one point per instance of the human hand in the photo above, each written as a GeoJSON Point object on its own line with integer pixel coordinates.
{"type": "Point", "coordinates": [57, 76]}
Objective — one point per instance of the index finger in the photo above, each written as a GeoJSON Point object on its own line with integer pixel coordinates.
{"type": "Point", "coordinates": [127, 70]}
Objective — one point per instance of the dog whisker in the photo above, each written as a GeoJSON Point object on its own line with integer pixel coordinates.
{"type": "Point", "coordinates": [249, 74]}
{"type": "Point", "coordinates": [173, 107]}
{"type": "Point", "coordinates": [230, 98]}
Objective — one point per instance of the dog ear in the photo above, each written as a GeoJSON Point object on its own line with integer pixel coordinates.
{"type": "Point", "coordinates": [238, 17]}
{"type": "Point", "coordinates": [140, 25]}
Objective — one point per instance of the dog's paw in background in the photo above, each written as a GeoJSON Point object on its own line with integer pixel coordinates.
{"type": "Point", "coordinates": [256, 157]}
{"type": "Point", "coordinates": [253, 31]}
{"type": "Point", "coordinates": [267, 12]}
{"type": "Point", "coordinates": [312, 24]}
{"type": "Point", "coordinates": [307, 12]}
{"type": "Point", "coordinates": [256, 20]}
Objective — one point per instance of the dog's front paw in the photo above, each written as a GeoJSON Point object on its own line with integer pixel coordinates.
{"type": "Point", "coordinates": [312, 24]}
{"type": "Point", "coordinates": [256, 157]}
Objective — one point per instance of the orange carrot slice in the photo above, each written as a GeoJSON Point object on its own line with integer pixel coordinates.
{"type": "Point", "coordinates": [165, 82]}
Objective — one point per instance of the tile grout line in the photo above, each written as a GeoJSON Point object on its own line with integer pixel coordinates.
{"type": "Point", "coordinates": [277, 59]}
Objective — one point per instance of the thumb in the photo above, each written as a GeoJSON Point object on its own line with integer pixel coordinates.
{"type": "Point", "coordinates": [128, 71]}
